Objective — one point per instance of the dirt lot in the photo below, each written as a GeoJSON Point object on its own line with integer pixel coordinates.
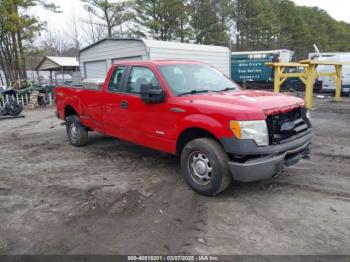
{"type": "Point", "coordinates": [113, 197]}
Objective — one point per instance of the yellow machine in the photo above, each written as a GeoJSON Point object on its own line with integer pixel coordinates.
{"type": "Point", "coordinates": [307, 76]}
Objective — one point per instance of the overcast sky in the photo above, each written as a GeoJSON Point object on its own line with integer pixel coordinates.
{"type": "Point", "coordinates": [339, 9]}
{"type": "Point", "coordinates": [62, 23]}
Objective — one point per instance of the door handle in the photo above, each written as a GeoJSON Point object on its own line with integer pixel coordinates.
{"type": "Point", "coordinates": [124, 104]}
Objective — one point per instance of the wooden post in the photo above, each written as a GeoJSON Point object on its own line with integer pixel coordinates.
{"type": "Point", "coordinates": [51, 79]}
{"type": "Point", "coordinates": [310, 78]}
{"type": "Point", "coordinates": [277, 78]}
{"type": "Point", "coordinates": [338, 70]}
{"type": "Point", "coordinates": [38, 75]}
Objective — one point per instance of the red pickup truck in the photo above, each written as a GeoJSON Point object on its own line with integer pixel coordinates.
{"type": "Point", "coordinates": [220, 131]}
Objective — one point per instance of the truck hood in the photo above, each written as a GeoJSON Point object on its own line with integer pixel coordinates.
{"type": "Point", "coordinates": [259, 101]}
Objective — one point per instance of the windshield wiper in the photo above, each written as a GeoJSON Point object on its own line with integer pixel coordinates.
{"type": "Point", "coordinates": [195, 91]}
{"type": "Point", "coordinates": [227, 89]}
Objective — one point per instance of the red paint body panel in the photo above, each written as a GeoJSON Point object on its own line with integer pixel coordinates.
{"type": "Point", "coordinates": [156, 125]}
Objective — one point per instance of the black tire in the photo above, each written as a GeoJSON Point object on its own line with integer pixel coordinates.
{"type": "Point", "coordinates": [205, 154]}
{"type": "Point", "coordinates": [76, 132]}
{"type": "Point", "coordinates": [16, 109]}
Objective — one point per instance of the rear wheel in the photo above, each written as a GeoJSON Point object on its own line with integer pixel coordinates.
{"type": "Point", "coordinates": [205, 166]}
{"type": "Point", "coordinates": [76, 132]}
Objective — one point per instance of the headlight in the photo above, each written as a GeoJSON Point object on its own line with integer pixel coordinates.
{"type": "Point", "coordinates": [255, 130]}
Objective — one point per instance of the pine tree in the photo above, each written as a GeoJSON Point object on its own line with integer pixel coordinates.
{"type": "Point", "coordinates": [17, 31]}
{"type": "Point", "coordinates": [209, 21]}
{"type": "Point", "coordinates": [162, 19]}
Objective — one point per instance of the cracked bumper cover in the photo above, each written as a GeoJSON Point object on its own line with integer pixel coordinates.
{"type": "Point", "coordinates": [268, 161]}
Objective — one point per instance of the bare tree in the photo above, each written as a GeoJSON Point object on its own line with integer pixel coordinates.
{"type": "Point", "coordinates": [74, 26]}
{"type": "Point", "coordinates": [54, 43]}
{"type": "Point", "coordinates": [111, 15]}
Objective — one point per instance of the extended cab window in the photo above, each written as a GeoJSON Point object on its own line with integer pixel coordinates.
{"type": "Point", "coordinates": [116, 79]}
{"type": "Point", "coordinates": [141, 75]}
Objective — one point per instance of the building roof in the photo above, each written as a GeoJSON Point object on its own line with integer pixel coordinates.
{"type": "Point", "coordinates": [109, 38]}
{"type": "Point", "coordinates": [261, 52]}
{"type": "Point", "coordinates": [164, 44]}
{"type": "Point", "coordinates": [183, 46]}
{"type": "Point", "coordinates": [56, 63]}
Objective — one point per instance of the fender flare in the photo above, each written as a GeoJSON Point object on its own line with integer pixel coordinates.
{"type": "Point", "coordinates": [74, 103]}
{"type": "Point", "coordinates": [207, 123]}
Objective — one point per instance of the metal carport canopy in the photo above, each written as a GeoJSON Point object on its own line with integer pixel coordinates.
{"type": "Point", "coordinates": [57, 63]}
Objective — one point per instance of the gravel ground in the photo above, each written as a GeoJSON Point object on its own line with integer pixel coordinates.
{"type": "Point", "coordinates": [113, 197]}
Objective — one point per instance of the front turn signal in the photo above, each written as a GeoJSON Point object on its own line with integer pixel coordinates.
{"type": "Point", "coordinates": [236, 128]}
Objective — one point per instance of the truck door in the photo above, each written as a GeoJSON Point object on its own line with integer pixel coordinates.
{"type": "Point", "coordinates": [149, 124]}
{"type": "Point", "coordinates": [114, 118]}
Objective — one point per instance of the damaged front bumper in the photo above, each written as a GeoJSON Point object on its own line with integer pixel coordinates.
{"type": "Point", "coordinates": [268, 161]}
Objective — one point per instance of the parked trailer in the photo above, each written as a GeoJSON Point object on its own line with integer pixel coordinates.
{"type": "Point", "coordinates": [326, 83]}
{"type": "Point", "coordinates": [249, 68]}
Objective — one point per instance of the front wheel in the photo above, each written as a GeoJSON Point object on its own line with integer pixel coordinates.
{"type": "Point", "coordinates": [205, 166]}
{"type": "Point", "coordinates": [76, 132]}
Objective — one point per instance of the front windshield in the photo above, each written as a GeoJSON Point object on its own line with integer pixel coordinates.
{"type": "Point", "coordinates": [193, 78]}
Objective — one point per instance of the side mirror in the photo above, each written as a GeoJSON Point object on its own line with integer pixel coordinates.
{"type": "Point", "coordinates": [151, 94]}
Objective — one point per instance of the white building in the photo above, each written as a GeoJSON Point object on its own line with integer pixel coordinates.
{"type": "Point", "coordinates": [95, 59]}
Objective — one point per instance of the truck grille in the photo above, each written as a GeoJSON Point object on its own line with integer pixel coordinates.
{"type": "Point", "coordinates": [284, 127]}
